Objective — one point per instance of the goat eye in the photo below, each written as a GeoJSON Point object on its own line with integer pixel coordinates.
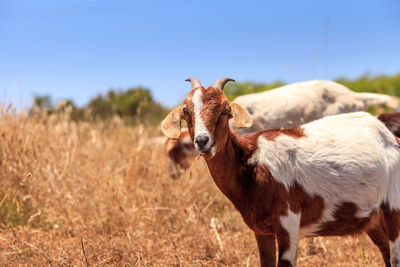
{"type": "Point", "coordinates": [186, 114]}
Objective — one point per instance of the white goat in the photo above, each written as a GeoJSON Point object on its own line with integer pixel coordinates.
{"type": "Point", "coordinates": [298, 103]}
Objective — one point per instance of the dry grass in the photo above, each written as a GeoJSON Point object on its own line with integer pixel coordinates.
{"type": "Point", "coordinates": [61, 181]}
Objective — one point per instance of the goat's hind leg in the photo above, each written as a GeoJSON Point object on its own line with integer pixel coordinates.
{"type": "Point", "coordinates": [392, 219]}
{"type": "Point", "coordinates": [379, 235]}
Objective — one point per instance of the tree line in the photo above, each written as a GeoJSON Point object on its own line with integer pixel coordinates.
{"type": "Point", "coordinates": [134, 105]}
{"type": "Point", "coordinates": [137, 105]}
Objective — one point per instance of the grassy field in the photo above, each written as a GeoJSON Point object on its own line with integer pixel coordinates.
{"type": "Point", "coordinates": [79, 194]}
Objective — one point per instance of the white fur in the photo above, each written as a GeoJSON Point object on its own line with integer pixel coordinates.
{"type": "Point", "coordinates": [302, 102]}
{"type": "Point", "coordinates": [344, 158]}
{"type": "Point", "coordinates": [291, 223]}
{"type": "Point", "coordinates": [199, 127]}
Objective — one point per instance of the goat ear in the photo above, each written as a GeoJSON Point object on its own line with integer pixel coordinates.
{"type": "Point", "coordinates": [171, 125]}
{"type": "Point", "coordinates": [240, 116]}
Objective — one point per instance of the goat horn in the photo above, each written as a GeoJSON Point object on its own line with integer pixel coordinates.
{"type": "Point", "coordinates": [221, 83]}
{"type": "Point", "coordinates": [195, 83]}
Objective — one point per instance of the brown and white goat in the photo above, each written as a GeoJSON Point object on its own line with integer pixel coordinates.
{"type": "Point", "coordinates": [179, 152]}
{"type": "Point", "coordinates": [335, 176]}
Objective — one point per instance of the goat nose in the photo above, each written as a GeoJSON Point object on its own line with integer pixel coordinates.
{"type": "Point", "coordinates": [202, 140]}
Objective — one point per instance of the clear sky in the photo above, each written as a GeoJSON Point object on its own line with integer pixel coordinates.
{"type": "Point", "coordinates": [78, 49]}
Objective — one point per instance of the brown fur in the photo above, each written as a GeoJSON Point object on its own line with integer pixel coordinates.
{"type": "Point", "coordinates": [262, 200]}
{"type": "Point", "coordinates": [295, 132]}
{"type": "Point", "coordinates": [267, 246]}
{"type": "Point", "coordinates": [378, 233]}
{"type": "Point", "coordinates": [311, 207]}
{"type": "Point", "coordinates": [392, 219]}
{"type": "Point", "coordinates": [392, 122]}
{"type": "Point", "coordinates": [346, 222]}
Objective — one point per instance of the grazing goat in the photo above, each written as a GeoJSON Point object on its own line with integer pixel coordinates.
{"type": "Point", "coordinates": [392, 121]}
{"type": "Point", "coordinates": [298, 103]}
{"type": "Point", "coordinates": [335, 176]}
{"type": "Point", "coordinates": [179, 152]}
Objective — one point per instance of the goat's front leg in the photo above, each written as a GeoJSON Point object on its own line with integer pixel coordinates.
{"type": "Point", "coordinates": [266, 245]}
{"type": "Point", "coordinates": [287, 234]}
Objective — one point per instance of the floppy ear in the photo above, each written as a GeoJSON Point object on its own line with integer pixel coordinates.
{"type": "Point", "coordinates": [240, 116]}
{"type": "Point", "coordinates": [171, 125]}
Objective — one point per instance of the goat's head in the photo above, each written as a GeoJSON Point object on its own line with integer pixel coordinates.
{"type": "Point", "coordinates": [206, 112]}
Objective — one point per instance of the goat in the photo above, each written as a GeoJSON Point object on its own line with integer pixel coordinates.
{"type": "Point", "coordinates": [392, 121]}
{"type": "Point", "coordinates": [179, 153]}
{"type": "Point", "coordinates": [298, 103]}
{"type": "Point", "coordinates": [335, 176]}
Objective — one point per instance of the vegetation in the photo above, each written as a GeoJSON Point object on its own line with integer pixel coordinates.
{"type": "Point", "coordinates": [382, 84]}
{"type": "Point", "coordinates": [136, 105]}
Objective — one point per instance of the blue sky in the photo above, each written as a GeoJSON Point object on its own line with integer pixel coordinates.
{"type": "Point", "coordinates": [78, 49]}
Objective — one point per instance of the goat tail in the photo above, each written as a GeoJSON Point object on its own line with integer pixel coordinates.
{"type": "Point", "coordinates": [370, 99]}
